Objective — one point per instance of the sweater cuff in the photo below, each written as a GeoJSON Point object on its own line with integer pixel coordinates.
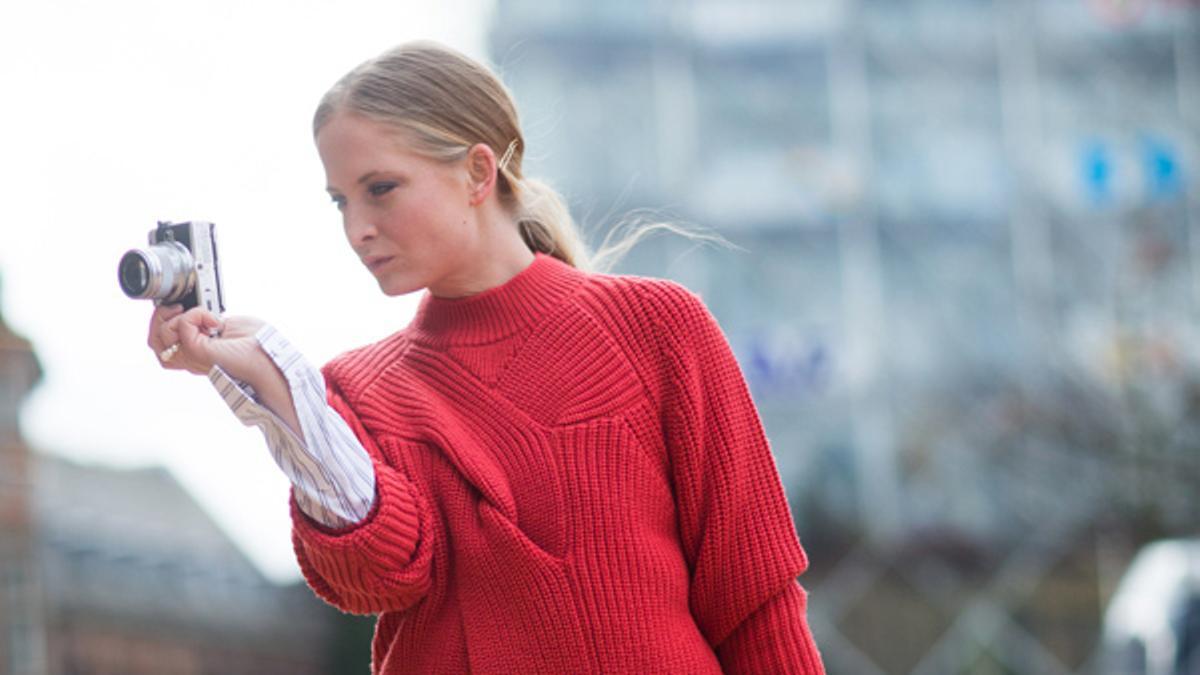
{"type": "Point", "coordinates": [383, 557]}
{"type": "Point", "coordinates": [775, 639]}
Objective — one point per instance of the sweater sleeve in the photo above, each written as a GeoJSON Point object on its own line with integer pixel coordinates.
{"type": "Point", "coordinates": [381, 563]}
{"type": "Point", "coordinates": [735, 526]}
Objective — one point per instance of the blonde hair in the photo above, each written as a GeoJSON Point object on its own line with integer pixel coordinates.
{"type": "Point", "coordinates": [448, 103]}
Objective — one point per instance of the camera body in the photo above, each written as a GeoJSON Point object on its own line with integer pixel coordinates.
{"type": "Point", "coordinates": [178, 267]}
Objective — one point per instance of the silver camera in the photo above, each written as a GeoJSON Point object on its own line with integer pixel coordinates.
{"type": "Point", "coordinates": [178, 267]}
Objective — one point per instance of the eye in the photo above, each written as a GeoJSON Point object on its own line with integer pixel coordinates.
{"type": "Point", "coordinates": [339, 202]}
{"type": "Point", "coordinates": [380, 189]}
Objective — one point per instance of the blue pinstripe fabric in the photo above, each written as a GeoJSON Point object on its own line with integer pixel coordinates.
{"type": "Point", "coordinates": [331, 473]}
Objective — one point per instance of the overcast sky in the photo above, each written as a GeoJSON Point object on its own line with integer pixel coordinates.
{"type": "Point", "coordinates": [119, 114]}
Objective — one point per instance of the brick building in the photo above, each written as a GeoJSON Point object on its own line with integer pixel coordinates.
{"type": "Point", "coordinates": [118, 571]}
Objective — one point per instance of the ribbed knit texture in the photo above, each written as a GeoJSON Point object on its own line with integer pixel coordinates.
{"type": "Point", "coordinates": [571, 478]}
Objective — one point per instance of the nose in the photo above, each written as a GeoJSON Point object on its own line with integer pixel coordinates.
{"type": "Point", "coordinates": [359, 230]}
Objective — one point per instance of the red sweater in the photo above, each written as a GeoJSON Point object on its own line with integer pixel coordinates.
{"type": "Point", "coordinates": [572, 478]}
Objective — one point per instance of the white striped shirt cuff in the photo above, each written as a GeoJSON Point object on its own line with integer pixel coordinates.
{"type": "Point", "coordinates": [331, 473]}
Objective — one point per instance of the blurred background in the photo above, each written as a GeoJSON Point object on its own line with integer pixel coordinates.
{"type": "Point", "coordinates": [967, 303]}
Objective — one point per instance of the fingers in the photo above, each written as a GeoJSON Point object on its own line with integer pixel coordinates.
{"type": "Point", "coordinates": [189, 340]}
{"type": "Point", "coordinates": [162, 335]}
{"type": "Point", "coordinates": [161, 315]}
{"type": "Point", "coordinates": [179, 338]}
{"type": "Point", "coordinates": [210, 325]}
{"type": "Point", "coordinates": [169, 352]}
{"type": "Point", "coordinates": [195, 325]}
{"type": "Point", "coordinates": [193, 331]}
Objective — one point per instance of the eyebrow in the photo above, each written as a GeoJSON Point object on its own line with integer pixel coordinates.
{"type": "Point", "coordinates": [361, 179]}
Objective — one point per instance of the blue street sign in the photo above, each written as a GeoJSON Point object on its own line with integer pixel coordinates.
{"type": "Point", "coordinates": [1163, 174]}
{"type": "Point", "coordinates": [1096, 171]}
{"type": "Point", "coordinates": [786, 367]}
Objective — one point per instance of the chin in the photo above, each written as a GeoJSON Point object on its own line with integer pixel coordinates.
{"type": "Point", "coordinates": [395, 288]}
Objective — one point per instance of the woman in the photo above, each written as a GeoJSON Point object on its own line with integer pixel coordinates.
{"type": "Point", "coordinates": [548, 470]}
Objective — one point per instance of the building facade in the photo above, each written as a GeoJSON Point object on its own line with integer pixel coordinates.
{"type": "Point", "coordinates": [109, 571]}
{"type": "Point", "coordinates": [22, 637]}
{"type": "Point", "coordinates": [968, 297]}
{"type": "Point", "coordinates": [937, 199]}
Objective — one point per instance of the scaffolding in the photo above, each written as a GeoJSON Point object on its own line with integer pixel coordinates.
{"type": "Point", "coordinates": [991, 222]}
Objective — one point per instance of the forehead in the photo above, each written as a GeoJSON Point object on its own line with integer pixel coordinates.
{"type": "Point", "coordinates": [350, 142]}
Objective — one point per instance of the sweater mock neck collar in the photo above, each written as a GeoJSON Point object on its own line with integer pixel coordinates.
{"type": "Point", "coordinates": [499, 311]}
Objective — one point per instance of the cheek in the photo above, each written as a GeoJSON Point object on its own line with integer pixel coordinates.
{"type": "Point", "coordinates": [425, 216]}
{"type": "Point", "coordinates": [394, 221]}
{"type": "Point", "coordinates": [432, 218]}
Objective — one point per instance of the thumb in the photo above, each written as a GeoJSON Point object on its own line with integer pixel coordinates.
{"type": "Point", "coordinates": [195, 343]}
{"type": "Point", "coordinates": [188, 333]}
{"type": "Point", "coordinates": [210, 325]}
{"type": "Point", "coordinates": [195, 327]}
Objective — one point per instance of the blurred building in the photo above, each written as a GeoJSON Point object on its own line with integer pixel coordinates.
{"type": "Point", "coordinates": [22, 641]}
{"type": "Point", "coordinates": [119, 572]}
{"type": "Point", "coordinates": [967, 306]}
{"type": "Point", "coordinates": [136, 578]}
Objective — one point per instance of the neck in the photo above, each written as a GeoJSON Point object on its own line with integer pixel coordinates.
{"type": "Point", "coordinates": [499, 311]}
{"type": "Point", "coordinates": [498, 254]}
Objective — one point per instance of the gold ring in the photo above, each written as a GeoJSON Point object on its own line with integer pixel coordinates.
{"type": "Point", "coordinates": [168, 353]}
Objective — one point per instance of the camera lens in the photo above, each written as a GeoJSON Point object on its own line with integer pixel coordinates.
{"type": "Point", "coordinates": [164, 272]}
{"type": "Point", "coordinates": [134, 274]}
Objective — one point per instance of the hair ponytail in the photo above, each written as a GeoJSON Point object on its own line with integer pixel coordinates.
{"type": "Point", "coordinates": [546, 224]}
{"type": "Point", "coordinates": [448, 102]}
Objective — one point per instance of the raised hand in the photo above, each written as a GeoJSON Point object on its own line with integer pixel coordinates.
{"type": "Point", "coordinates": [195, 340]}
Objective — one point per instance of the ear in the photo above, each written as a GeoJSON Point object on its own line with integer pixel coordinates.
{"type": "Point", "coordinates": [481, 168]}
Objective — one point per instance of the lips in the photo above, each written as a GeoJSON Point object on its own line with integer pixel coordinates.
{"type": "Point", "coordinates": [373, 263]}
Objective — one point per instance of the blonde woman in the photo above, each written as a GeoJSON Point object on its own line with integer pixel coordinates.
{"type": "Point", "coordinates": [549, 470]}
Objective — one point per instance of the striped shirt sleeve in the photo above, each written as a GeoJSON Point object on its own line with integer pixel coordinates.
{"type": "Point", "coordinates": [331, 473]}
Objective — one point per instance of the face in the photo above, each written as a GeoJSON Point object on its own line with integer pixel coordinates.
{"type": "Point", "coordinates": [407, 217]}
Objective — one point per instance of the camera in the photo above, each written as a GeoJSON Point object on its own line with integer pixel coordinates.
{"type": "Point", "coordinates": [178, 267]}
